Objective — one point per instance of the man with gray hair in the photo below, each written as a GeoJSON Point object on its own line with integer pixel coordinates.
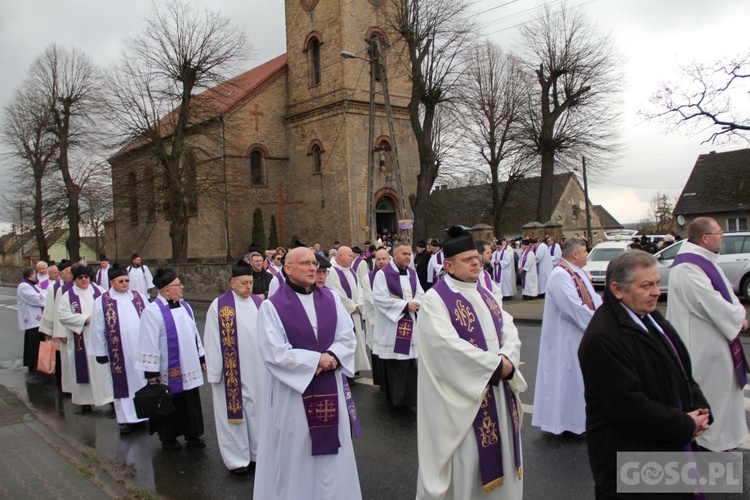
{"type": "Point", "coordinates": [570, 303]}
{"type": "Point", "coordinates": [709, 318]}
{"type": "Point", "coordinates": [639, 388]}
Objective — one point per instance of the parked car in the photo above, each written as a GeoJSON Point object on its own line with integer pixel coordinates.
{"type": "Point", "coordinates": [599, 257]}
{"type": "Point", "coordinates": [734, 260]}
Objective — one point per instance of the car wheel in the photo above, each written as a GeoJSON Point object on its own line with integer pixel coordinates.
{"type": "Point", "coordinates": [745, 288]}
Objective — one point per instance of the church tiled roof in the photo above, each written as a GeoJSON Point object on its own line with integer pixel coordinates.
{"type": "Point", "coordinates": [719, 182]}
{"type": "Point", "coordinates": [219, 100]}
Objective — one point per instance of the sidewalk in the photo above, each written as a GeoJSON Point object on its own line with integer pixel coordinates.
{"type": "Point", "coordinates": [36, 463]}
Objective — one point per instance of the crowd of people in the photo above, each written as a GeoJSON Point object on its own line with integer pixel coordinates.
{"type": "Point", "coordinates": [296, 327]}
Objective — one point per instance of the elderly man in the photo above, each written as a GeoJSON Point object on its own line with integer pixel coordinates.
{"type": "Point", "coordinates": [639, 388]}
{"type": "Point", "coordinates": [170, 350]}
{"type": "Point", "coordinates": [324, 268]}
{"type": "Point", "coordinates": [527, 271]}
{"type": "Point", "coordinates": [307, 343]}
{"type": "Point", "coordinates": [261, 277]}
{"type": "Point", "coordinates": [344, 282]}
{"type": "Point", "coordinates": [397, 295]}
{"type": "Point", "coordinates": [468, 421]}
{"type": "Point", "coordinates": [114, 340]}
{"type": "Point", "coordinates": [709, 318]}
{"type": "Point", "coordinates": [30, 300]}
{"type": "Point", "coordinates": [571, 301]}
{"type": "Point", "coordinates": [235, 369]}
{"type": "Point", "coordinates": [102, 274]}
{"type": "Point", "coordinates": [382, 258]}
{"type": "Point", "coordinates": [50, 324]}
{"type": "Point", "coordinates": [92, 385]}
{"type": "Point", "coordinates": [42, 275]}
{"type": "Point", "coordinates": [141, 279]}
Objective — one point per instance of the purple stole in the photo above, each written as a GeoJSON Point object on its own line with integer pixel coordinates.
{"type": "Point", "coordinates": [345, 282]}
{"type": "Point", "coordinates": [99, 276]}
{"type": "Point", "coordinates": [487, 279]}
{"type": "Point", "coordinates": [56, 286]}
{"type": "Point", "coordinates": [81, 361]}
{"type": "Point", "coordinates": [523, 263]}
{"type": "Point", "coordinates": [33, 285]}
{"type": "Point", "coordinates": [552, 249]}
{"type": "Point", "coordinates": [405, 325]}
{"type": "Point", "coordinates": [583, 291]}
{"type": "Point", "coordinates": [357, 262]}
{"type": "Point", "coordinates": [372, 274]}
{"type": "Point", "coordinates": [270, 267]}
{"type": "Point", "coordinates": [439, 260]}
{"type": "Point", "coordinates": [231, 355]}
{"type": "Point", "coordinates": [44, 284]}
{"type": "Point", "coordinates": [174, 370]}
{"type": "Point", "coordinates": [498, 266]}
{"type": "Point", "coordinates": [112, 335]}
{"type": "Point", "coordinates": [463, 319]}
{"type": "Point", "coordinates": [320, 399]}
{"type": "Point", "coordinates": [735, 346]}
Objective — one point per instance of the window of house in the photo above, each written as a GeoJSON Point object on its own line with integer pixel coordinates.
{"type": "Point", "coordinates": [257, 177]}
{"type": "Point", "coordinates": [576, 211]}
{"type": "Point", "coordinates": [133, 197]}
{"type": "Point", "coordinates": [738, 224]}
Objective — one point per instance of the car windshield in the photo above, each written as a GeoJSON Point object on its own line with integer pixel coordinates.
{"type": "Point", "coordinates": [604, 254]}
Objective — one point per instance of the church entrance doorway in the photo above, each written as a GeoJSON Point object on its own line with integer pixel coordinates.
{"type": "Point", "coordinates": [385, 216]}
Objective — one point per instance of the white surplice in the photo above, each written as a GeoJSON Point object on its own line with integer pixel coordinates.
{"type": "Point", "coordinates": [60, 336]}
{"type": "Point", "coordinates": [30, 299]}
{"type": "Point", "coordinates": [286, 467]}
{"type": "Point", "coordinates": [453, 380]}
{"type": "Point", "coordinates": [141, 280]}
{"type": "Point", "coordinates": [434, 268]}
{"type": "Point", "coordinates": [333, 281]}
{"type": "Point", "coordinates": [98, 391]}
{"type": "Point", "coordinates": [102, 277]}
{"type": "Point", "coordinates": [706, 322]}
{"type": "Point", "coordinates": [153, 354]}
{"type": "Point", "coordinates": [129, 323]}
{"type": "Point", "coordinates": [558, 399]}
{"type": "Point", "coordinates": [543, 266]}
{"type": "Point", "coordinates": [529, 279]}
{"type": "Point", "coordinates": [47, 325]}
{"type": "Point", "coordinates": [369, 310]}
{"type": "Point", "coordinates": [388, 311]}
{"type": "Point", "coordinates": [555, 253]}
{"type": "Point", "coordinates": [507, 278]}
{"type": "Point", "coordinates": [238, 442]}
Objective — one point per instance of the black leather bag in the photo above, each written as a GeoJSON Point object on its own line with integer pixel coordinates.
{"type": "Point", "coordinates": [154, 400]}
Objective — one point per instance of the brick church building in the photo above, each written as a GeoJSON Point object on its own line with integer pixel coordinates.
{"type": "Point", "coordinates": [294, 130]}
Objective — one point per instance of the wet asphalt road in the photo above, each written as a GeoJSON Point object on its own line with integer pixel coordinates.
{"type": "Point", "coordinates": [554, 467]}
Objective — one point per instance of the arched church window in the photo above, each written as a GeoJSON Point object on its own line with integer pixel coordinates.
{"type": "Point", "coordinates": [149, 191]}
{"type": "Point", "coordinates": [315, 152]}
{"type": "Point", "coordinates": [312, 47]}
{"type": "Point", "coordinates": [257, 162]}
{"type": "Point", "coordinates": [133, 197]}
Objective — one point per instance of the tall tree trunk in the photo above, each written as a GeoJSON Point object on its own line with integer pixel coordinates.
{"type": "Point", "coordinates": [41, 238]}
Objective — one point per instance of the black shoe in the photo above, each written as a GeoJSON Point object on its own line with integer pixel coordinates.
{"type": "Point", "coordinates": [86, 408]}
{"type": "Point", "coordinates": [196, 443]}
{"type": "Point", "coordinates": [239, 471]}
{"type": "Point", "coordinates": [171, 445]}
{"type": "Point", "coordinates": [125, 429]}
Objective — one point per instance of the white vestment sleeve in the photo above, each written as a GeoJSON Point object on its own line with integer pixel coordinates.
{"type": "Point", "coordinates": [26, 293]}
{"type": "Point", "coordinates": [73, 321]}
{"type": "Point", "coordinates": [212, 345]}
{"type": "Point", "coordinates": [562, 291]}
{"type": "Point", "coordinates": [334, 283]}
{"type": "Point", "coordinates": [390, 306]}
{"type": "Point", "coordinates": [47, 325]}
{"type": "Point", "coordinates": [98, 344]}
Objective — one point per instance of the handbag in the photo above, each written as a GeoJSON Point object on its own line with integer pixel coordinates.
{"type": "Point", "coordinates": [153, 400]}
{"type": "Point", "coordinates": [45, 362]}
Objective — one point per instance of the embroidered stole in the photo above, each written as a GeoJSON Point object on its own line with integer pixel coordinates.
{"type": "Point", "coordinates": [717, 282]}
{"type": "Point", "coordinates": [524, 257]}
{"type": "Point", "coordinates": [113, 336]}
{"type": "Point", "coordinates": [405, 325]}
{"type": "Point", "coordinates": [80, 356]}
{"type": "Point", "coordinates": [174, 369]}
{"type": "Point", "coordinates": [230, 354]}
{"type": "Point", "coordinates": [464, 320]}
{"type": "Point", "coordinates": [499, 265]}
{"type": "Point", "coordinates": [583, 291]}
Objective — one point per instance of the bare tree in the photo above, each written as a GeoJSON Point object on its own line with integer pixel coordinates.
{"type": "Point", "coordinates": [660, 212]}
{"type": "Point", "coordinates": [435, 34]}
{"type": "Point", "coordinates": [153, 96]}
{"type": "Point", "coordinates": [573, 110]}
{"type": "Point", "coordinates": [707, 98]}
{"type": "Point", "coordinates": [96, 201]}
{"type": "Point", "coordinates": [69, 86]}
{"type": "Point", "coordinates": [32, 149]}
{"type": "Point", "coordinates": [494, 98]}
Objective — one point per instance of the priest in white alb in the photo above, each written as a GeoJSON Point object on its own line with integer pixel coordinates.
{"type": "Point", "coordinates": [91, 382]}
{"type": "Point", "coordinates": [504, 265]}
{"type": "Point", "coordinates": [307, 343]}
{"type": "Point", "coordinates": [65, 370]}
{"type": "Point", "coordinates": [469, 413]}
{"type": "Point", "coordinates": [141, 279]}
{"type": "Point", "coordinates": [527, 271]}
{"type": "Point", "coordinates": [571, 300]}
{"type": "Point", "coordinates": [30, 300]}
{"type": "Point", "coordinates": [114, 341]}
{"type": "Point", "coordinates": [543, 266]}
{"type": "Point", "coordinates": [235, 370]}
{"type": "Point", "coordinates": [343, 280]}
{"type": "Point", "coordinates": [102, 274]}
{"type": "Point", "coordinates": [382, 259]}
{"type": "Point", "coordinates": [397, 295]}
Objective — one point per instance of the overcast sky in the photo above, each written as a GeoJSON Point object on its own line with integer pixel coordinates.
{"type": "Point", "coordinates": [652, 36]}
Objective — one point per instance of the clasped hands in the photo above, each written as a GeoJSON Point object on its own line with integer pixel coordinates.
{"type": "Point", "coordinates": [700, 417]}
{"type": "Point", "coordinates": [326, 363]}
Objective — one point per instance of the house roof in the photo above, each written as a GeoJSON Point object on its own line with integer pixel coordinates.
{"type": "Point", "coordinates": [22, 240]}
{"type": "Point", "coordinates": [221, 99]}
{"type": "Point", "coordinates": [6, 240]}
{"type": "Point", "coordinates": [719, 182]}
{"type": "Point", "coordinates": [606, 218]}
{"type": "Point", "coordinates": [471, 205]}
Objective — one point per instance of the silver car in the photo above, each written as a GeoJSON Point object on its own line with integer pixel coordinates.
{"type": "Point", "coordinates": [734, 260]}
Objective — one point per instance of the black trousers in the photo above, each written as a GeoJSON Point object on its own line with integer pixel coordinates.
{"type": "Point", "coordinates": [400, 381]}
{"type": "Point", "coordinates": [186, 420]}
{"type": "Point", "coordinates": [31, 340]}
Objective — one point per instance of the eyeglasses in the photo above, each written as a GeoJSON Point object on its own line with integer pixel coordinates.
{"type": "Point", "coordinates": [718, 232]}
{"type": "Point", "coordinates": [307, 263]}
{"type": "Point", "coordinates": [83, 277]}
{"type": "Point", "coordinates": [122, 281]}
{"type": "Point", "coordinates": [323, 270]}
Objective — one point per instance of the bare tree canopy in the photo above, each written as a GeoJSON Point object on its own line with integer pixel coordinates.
{"type": "Point", "coordinates": [180, 52]}
{"type": "Point", "coordinates": [707, 98]}
{"type": "Point", "coordinates": [574, 108]}
{"type": "Point", "coordinates": [68, 86]}
{"type": "Point", "coordinates": [435, 33]}
{"type": "Point", "coordinates": [495, 98]}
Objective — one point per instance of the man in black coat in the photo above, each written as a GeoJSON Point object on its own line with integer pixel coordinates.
{"type": "Point", "coordinates": [639, 388]}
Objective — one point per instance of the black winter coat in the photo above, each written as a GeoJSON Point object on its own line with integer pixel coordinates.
{"type": "Point", "coordinates": [637, 396]}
